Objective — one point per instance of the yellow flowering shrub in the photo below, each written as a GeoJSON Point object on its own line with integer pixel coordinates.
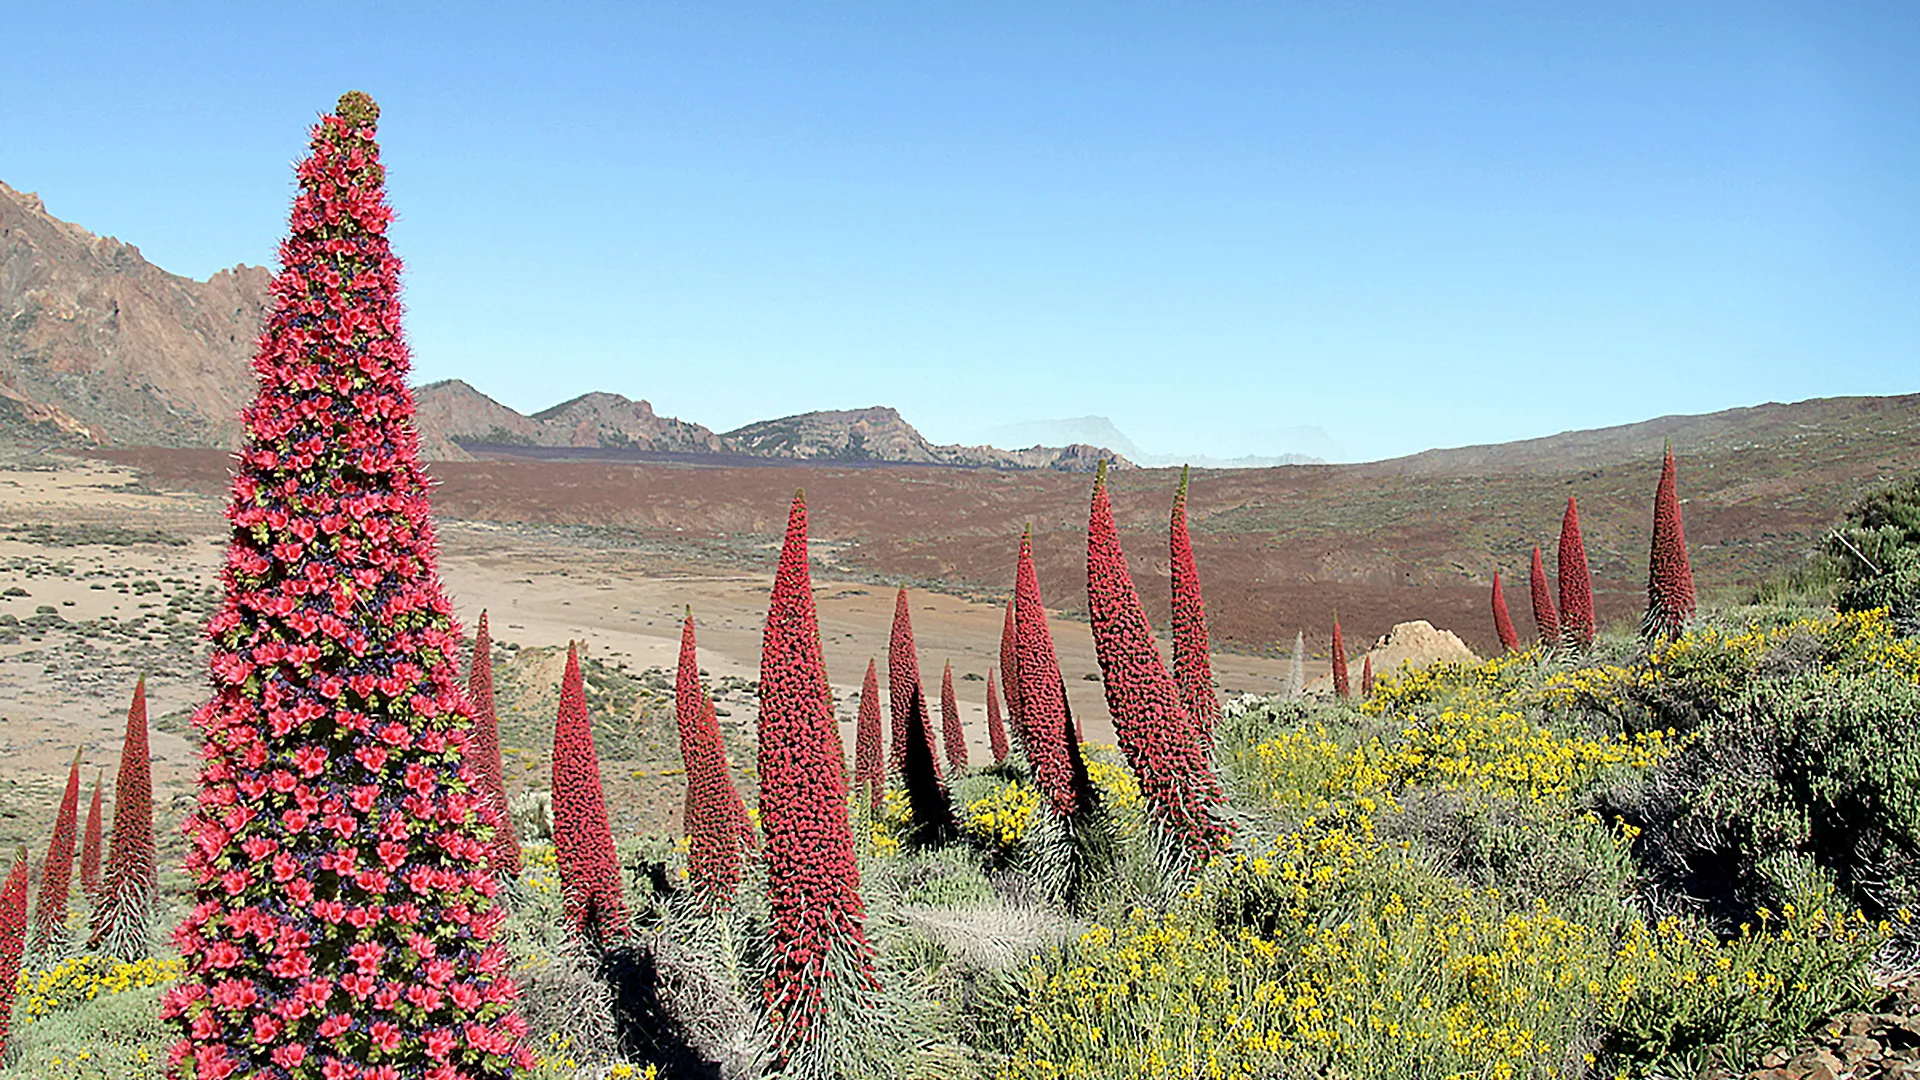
{"type": "Point", "coordinates": [83, 978]}
{"type": "Point", "coordinates": [1343, 948]}
{"type": "Point", "coordinates": [999, 821]}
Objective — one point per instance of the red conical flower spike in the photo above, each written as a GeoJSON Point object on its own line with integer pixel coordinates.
{"type": "Point", "coordinates": [689, 698]}
{"type": "Point", "coordinates": [1670, 601]}
{"type": "Point", "coordinates": [90, 846]}
{"type": "Point", "coordinates": [996, 731]}
{"type": "Point", "coordinates": [718, 829]}
{"type": "Point", "coordinates": [716, 823]}
{"type": "Point", "coordinates": [483, 753]}
{"type": "Point", "coordinates": [1341, 686]}
{"type": "Point", "coordinates": [1010, 677]}
{"type": "Point", "coordinates": [1545, 618]}
{"type": "Point", "coordinates": [1576, 582]}
{"type": "Point", "coordinates": [954, 734]}
{"type": "Point", "coordinates": [590, 878]}
{"type": "Point", "coordinates": [1043, 696]}
{"type": "Point", "coordinates": [1192, 668]}
{"type": "Point", "coordinates": [903, 678]}
{"type": "Point", "coordinates": [344, 914]}
{"type": "Point", "coordinates": [1366, 677]}
{"type": "Point", "coordinates": [869, 761]}
{"type": "Point", "coordinates": [119, 921]}
{"type": "Point", "coordinates": [51, 940]}
{"type": "Point", "coordinates": [13, 937]}
{"type": "Point", "coordinates": [813, 881]}
{"type": "Point", "coordinates": [1156, 735]}
{"type": "Point", "coordinates": [903, 684]}
{"type": "Point", "coordinates": [1503, 622]}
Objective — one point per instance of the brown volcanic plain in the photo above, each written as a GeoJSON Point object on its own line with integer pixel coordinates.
{"type": "Point", "coordinates": [1280, 549]}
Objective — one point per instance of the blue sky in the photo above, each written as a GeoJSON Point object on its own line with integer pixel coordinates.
{"type": "Point", "coordinates": [1408, 224]}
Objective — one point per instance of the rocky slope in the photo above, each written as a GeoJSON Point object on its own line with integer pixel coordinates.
{"type": "Point", "coordinates": [880, 434]}
{"type": "Point", "coordinates": [97, 342]}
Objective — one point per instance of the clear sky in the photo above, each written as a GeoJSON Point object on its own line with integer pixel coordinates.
{"type": "Point", "coordinates": [1410, 224]}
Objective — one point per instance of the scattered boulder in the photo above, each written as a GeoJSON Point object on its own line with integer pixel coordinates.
{"type": "Point", "coordinates": [1415, 645]}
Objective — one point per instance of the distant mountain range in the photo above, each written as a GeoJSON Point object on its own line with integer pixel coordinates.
{"type": "Point", "coordinates": [1100, 431]}
{"type": "Point", "coordinates": [99, 345]}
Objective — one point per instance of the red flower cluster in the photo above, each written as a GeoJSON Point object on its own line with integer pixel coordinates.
{"type": "Point", "coordinates": [1340, 684]}
{"type": "Point", "coordinates": [717, 827]}
{"type": "Point", "coordinates": [1503, 622]}
{"type": "Point", "coordinates": [954, 735]}
{"type": "Point", "coordinates": [483, 753]}
{"type": "Point", "coordinates": [119, 921]}
{"type": "Point", "coordinates": [1010, 676]}
{"type": "Point", "coordinates": [590, 878]}
{"type": "Point", "coordinates": [345, 922]}
{"type": "Point", "coordinates": [13, 937]}
{"type": "Point", "coordinates": [1545, 618]}
{"type": "Point", "coordinates": [1366, 677]}
{"type": "Point", "coordinates": [1576, 582]}
{"type": "Point", "coordinates": [1670, 599]}
{"type": "Point", "coordinates": [996, 730]}
{"type": "Point", "coordinates": [51, 939]}
{"type": "Point", "coordinates": [1042, 693]}
{"type": "Point", "coordinates": [1156, 735]}
{"type": "Point", "coordinates": [869, 768]}
{"type": "Point", "coordinates": [90, 846]}
{"type": "Point", "coordinates": [819, 941]}
{"type": "Point", "coordinates": [1192, 668]}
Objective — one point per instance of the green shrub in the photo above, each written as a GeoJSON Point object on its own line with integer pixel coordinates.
{"type": "Point", "coordinates": [1808, 780]}
{"type": "Point", "coordinates": [1879, 548]}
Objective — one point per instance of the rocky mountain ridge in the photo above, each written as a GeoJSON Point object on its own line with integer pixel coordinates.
{"type": "Point", "coordinates": [99, 346]}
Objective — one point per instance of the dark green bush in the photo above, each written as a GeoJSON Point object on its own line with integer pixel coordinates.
{"type": "Point", "coordinates": [1809, 780]}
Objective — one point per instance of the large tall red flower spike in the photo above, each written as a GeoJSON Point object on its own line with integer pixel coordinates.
{"type": "Point", "coordinates": [952, 732]}
{"type": "Point", "coordinates": [869, 759]}
{"type": "Point", "coordinates": [813, 882]}
{"type": "Point", "coordinates": [51, 940]}
{"type": "Point", "coordinates": [1157, 736]}
{"type": "Point", "coordinates": [689, 698]}
{"type": "Point", "coordinates": [1546, 618]}
{"type": "Point", "coordinates": [996, 729]}
{"type": "Point", "coordinates": [345, 918]}
{"type": "Point", "coordinates": [904, 688]}
{"type": "Point", "coordinates": [120, 914]}
{"type": "Point", "coordinates": [903, 677]}
{"type": "Point", "coordinates": [1670, 600]}
{"type": "Point", "coordinates": [13, 937]}
{"type": "Point", "coordinates": [716, 823]}
{"type": "Point", "coordinates": [590, 878]}
{"type": "Point", "coordinates": [719, 832]}
{"type": "Point", "coordinates": [1366, 677]}
{"type": "Point", "coordinates": [1192, 667]}
{"type": "Point", "coordinates": [1502, 621]}
{"type": "Point", "coordinates": [1010, 676]}
{"type": "Point", "coordinates": [90, 845]}
{"type": "Point", "coordinates": [1042, 694]}
{"type": "Point", "coordinates": [483, 753]}
{"type": "Point", "coordinates": [1341, 686]}
{"type": "Point", "coordinates": [1576, 582]}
